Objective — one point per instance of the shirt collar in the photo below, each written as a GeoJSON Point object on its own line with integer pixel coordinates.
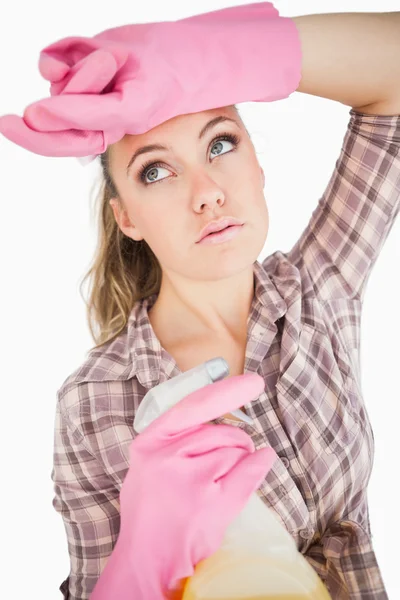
{"type": "Point", "coordinates": [137, 352]}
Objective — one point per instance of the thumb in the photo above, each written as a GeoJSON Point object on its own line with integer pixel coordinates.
{"type": "Point", "coordinates": [208, 403]}
{"type": "Point", "coordinates": [50, 143]}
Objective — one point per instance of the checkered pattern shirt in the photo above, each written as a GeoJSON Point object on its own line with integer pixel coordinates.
{"type": "Point", "coordinates": [304, 340]}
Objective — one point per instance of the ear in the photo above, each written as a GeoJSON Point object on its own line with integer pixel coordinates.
{"type": "Point", "coordinates": [122, 218]}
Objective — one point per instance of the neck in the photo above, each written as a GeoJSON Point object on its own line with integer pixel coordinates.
{"type": "Point", "coordinates": [197, 309]}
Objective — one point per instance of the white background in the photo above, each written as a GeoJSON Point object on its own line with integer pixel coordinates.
{"type": "Point", "coordinates": [46, 244]}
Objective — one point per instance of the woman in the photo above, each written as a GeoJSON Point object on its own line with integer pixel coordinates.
{"type": "Point", "coordinates": [165, 301]}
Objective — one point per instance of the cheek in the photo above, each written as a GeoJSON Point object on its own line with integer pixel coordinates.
{"type": "Point", "coordinates": [259, 211]}
{"type": "Point", "coordinates": [247, 179]}
{"type": "Point", "coordinates": [146, 217]}
{"type": "Point", "coordinates": [161, 231]}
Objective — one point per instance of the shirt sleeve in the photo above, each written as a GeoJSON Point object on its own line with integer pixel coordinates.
{"type": "Point", "coordinates": [87, 498]}
{"type": "Point", "coordinates": [356, 212]}
{"type": "Point", "coordinates": [345, 561]}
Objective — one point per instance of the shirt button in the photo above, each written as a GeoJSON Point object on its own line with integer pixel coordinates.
{"type": "Point", "coordinates": [285, 461]}
{"type": "Point", "coordinates": [282, 490]}
{"type": "Point", "coordinates": [306, 534]}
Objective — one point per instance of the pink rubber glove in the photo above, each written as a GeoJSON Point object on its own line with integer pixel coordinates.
{"type": "Point", "coordinates": [129, 79]}
{"type": "Point", "coordinates": [186, 482]}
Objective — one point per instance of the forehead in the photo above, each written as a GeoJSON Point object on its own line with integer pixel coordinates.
{"type": "Point", "coordinates": [182, 125]}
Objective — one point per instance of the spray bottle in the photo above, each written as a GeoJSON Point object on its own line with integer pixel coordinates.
{"type": "Point", "coordinates": [258, 559]}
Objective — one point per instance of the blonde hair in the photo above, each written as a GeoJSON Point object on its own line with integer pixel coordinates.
{"type": "Point", "coordinates": [122, 271]}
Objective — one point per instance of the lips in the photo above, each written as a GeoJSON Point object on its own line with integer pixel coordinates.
{"type": "Point", "coordinates": [219, 231]}
{"type": "Point", "coordinates": [219, 225]}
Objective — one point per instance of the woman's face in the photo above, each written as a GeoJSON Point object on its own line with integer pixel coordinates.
{"type": "Point", "coordinates": [199, 178]}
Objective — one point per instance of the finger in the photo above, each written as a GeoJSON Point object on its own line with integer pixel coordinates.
{"type": "Point", "coordinates": [246, 477]}
{"type": "Point", "coordinates": [208, 403]}
{"type": "Point", "coordinates": [114, 112]}
{"type": "Point", "coordinates": [75, 111]}
{"type": "Point", "coordinates": [53, 143]}
{"type": "Point", "coordinates": [206, 469]}
{"type": "Point", "coordinates": [207, 439]}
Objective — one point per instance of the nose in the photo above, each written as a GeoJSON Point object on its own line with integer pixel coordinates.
{"type": "Point", "coordinates": [206, 193]}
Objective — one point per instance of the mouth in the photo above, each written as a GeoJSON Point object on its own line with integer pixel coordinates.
{"type": "Point", "coordinates": [217, 237]}
{"type": "Point", "coordinates": [214, 227]}
{"type": "Point", "coordinates": [219, 231]}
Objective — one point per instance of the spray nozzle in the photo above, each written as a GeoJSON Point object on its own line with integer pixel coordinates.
{"type": "Point", "coordinates": [165, 395]}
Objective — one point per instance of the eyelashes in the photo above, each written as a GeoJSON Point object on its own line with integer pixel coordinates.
{"type": "Point", "coordinates": [229, 137]}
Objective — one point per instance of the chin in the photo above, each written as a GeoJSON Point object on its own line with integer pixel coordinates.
{"type": "Point", "coordinates": [224, 265]}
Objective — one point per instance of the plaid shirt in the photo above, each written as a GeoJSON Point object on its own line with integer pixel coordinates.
{"type": "Point", "coordinates": [304, 339]}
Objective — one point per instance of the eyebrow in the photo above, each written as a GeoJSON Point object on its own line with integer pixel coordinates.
{"type": "Point", "coordinates": [152, 147]}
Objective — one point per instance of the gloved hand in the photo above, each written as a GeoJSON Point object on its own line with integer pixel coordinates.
{"type": "Point", "coordinates": [187, 481]}
{"type": "Point", "coordinates": [129, 79]}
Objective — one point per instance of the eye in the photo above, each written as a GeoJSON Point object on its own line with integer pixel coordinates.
{"type": "Point", "coordinates": [151, 169]}
{"type": "Point", "coordinates": [218, 143]}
